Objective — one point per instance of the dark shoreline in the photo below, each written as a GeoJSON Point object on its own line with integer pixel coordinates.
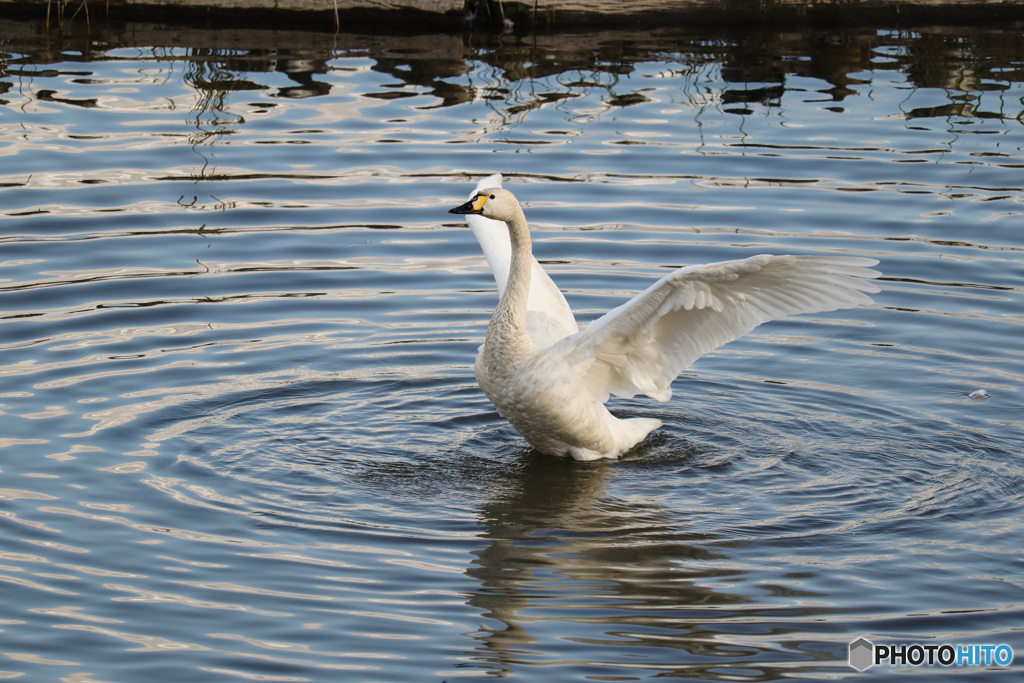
{"type": "Point", "coordinates": [417, 16]}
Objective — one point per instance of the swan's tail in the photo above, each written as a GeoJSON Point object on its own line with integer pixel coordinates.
{"type": "Point", "coordinates": [636, 429]}
{"type": "Point", "coordinates": [628, 433]}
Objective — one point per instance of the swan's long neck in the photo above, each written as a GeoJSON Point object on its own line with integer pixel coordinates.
{"type": "Point", "coordinates": [509, 319]}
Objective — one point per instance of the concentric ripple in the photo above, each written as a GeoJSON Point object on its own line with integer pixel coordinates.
{"type": "Point", "coordinates": [240, 437]}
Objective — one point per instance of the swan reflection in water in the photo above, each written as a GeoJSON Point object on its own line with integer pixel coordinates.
{"type": "Point", "coordinates": [625, 573]}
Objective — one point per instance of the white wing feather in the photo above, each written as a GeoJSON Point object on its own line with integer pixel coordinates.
{"type": "Point", "coordinates": [641, 346]}
{"type": "Point", "coordinates": [548, 316]}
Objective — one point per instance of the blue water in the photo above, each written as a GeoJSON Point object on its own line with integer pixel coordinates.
{"type": "Point", "coordinates": [241, 439]}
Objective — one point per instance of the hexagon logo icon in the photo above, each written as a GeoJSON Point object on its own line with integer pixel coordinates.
{"type": "Point", "coordinates": [862, 654]}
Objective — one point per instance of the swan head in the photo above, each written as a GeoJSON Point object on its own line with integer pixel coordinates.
{"type": "Point", "coordinates": [494, 203]}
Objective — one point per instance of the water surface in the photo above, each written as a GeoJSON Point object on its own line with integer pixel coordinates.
{"type": "Point", "coordinates": [241, 438]}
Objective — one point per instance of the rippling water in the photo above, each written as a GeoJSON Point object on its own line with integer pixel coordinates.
{"type": "Point", "coordinates": [240, 436]}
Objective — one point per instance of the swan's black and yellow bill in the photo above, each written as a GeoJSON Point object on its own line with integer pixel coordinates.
{"type": "Point", "coordinates": [474, 205]}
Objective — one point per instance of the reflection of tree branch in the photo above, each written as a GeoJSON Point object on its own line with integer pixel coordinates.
{"type": "Point", "coordinates": [60, 13]}
{"type": "Point", "coordinates": [208, 79]}
{"type": "Point", "coordinates": [215, 74]}
{"type": "Point", "coordinates": [519, 79]}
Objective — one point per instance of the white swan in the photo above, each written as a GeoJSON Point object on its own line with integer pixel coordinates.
{"type": "Point", "coordinates": [554, 395]}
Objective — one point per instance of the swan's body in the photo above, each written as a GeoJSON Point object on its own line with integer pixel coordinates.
{"type": "Point", "coordinates": [553, 391]}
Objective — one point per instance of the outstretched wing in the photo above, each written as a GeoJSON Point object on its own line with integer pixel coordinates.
{"type": "Point", "coordinates": [548, 316]}
{"type": "Point", "coordinates": [641, 346]}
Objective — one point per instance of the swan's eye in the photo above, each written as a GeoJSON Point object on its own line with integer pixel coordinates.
{"type": "Point", "coordinates": [492, 196]}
